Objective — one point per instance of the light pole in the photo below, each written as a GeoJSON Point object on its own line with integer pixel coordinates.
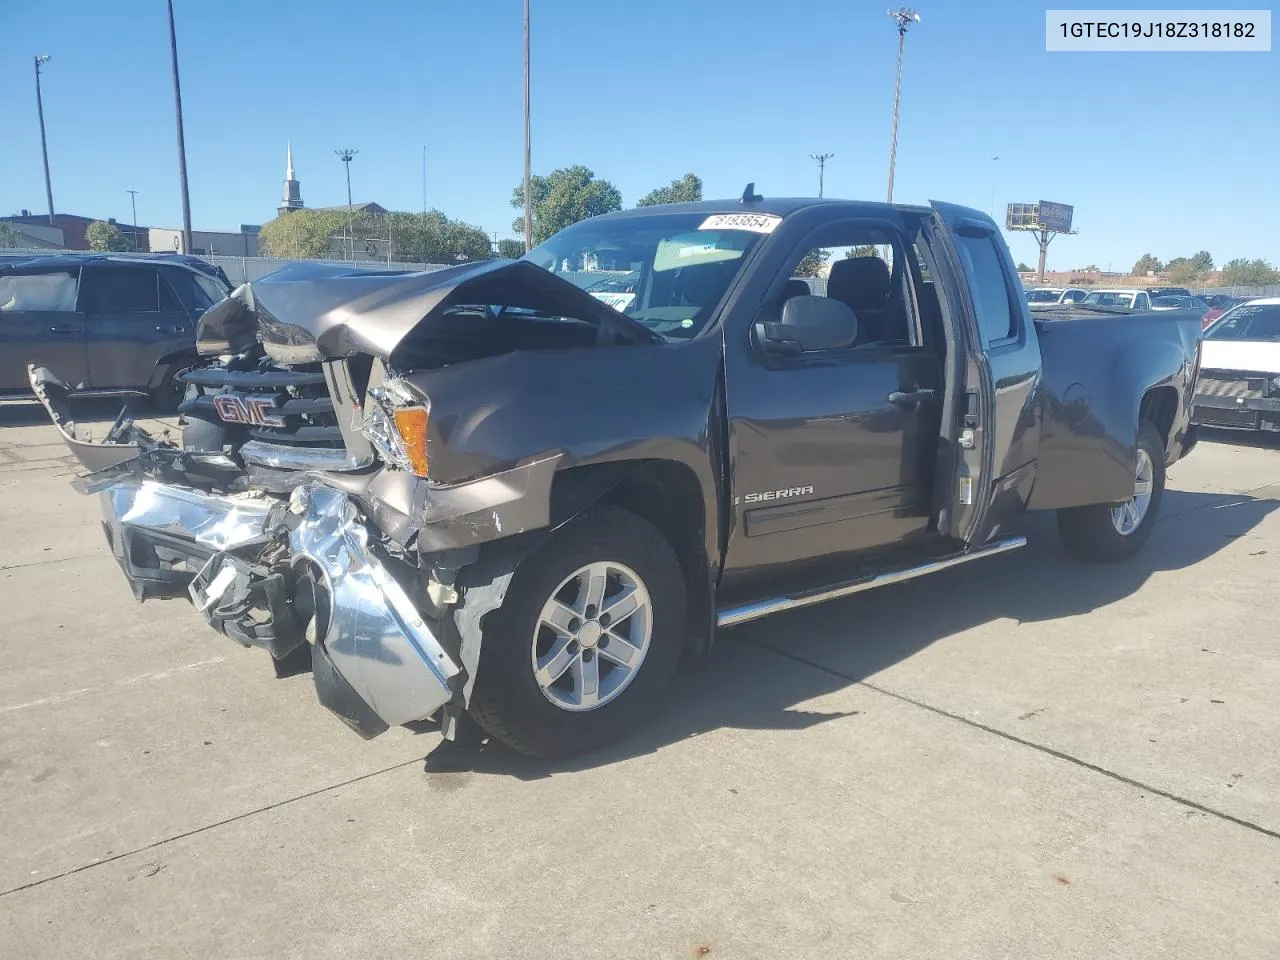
{"type": "Point", "coordinates": [528, 148]}
{"type": "Point", "coordinates": [904, 16]}
{"type": "Point", "coordinates": [44, 146]}
{"type": "Point", "coordinates": [993, 186]}
{"type": "Point", "coordinates": [346, 156]}
{"type": "Point", "coordinates": [424, 181]}
{"type": "Point", "coordinates": [182, 146]}
{"type": "Point", "coordinates": [822, 159]}
{"type": "Point", "coordinates": [133, 203]}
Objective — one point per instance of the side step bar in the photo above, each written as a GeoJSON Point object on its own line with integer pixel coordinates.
{"type": "Point", "coordinates": [763, 608]}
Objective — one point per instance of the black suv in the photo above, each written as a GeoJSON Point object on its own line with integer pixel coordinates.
{"type": "Point", "coordinates": [115, 323]}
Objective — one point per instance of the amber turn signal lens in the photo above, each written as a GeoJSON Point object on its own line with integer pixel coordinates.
{"type": "Point", "coordinates": [411, 424]}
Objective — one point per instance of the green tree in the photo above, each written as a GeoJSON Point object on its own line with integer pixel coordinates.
{"type": "Point", "coordinates": [1202, 261]}
{"type": "Point", "coordinates": [1182, 271]}
{"type": "Point", "coordinates": [510, 249]}
{"type": "Point", "coordinates": [105, 236]}
{"type": "Point", "coordinates": [1146, 264]}
{"type": "Point", "coordinates": [564, 197]}
{"type": "Point", "coordinates": [1023, 268]}
{"type": "Point", "coordinates": [1242, 272]}
{"type": "Point", "coordinates": [11, 236]}
{"type": "Point", "coordinates": [865, 250]}
{"type": "Point", "coordinates": [428, 237]}
{"type": "Point", "coordinates": [301, 234]}
{"type": "Point", "coordinates": [687, 188]}
{"type": "Point", "coordinates": [812, 263]}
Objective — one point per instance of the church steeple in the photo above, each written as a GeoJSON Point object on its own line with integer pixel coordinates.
{"type": "Point", "coordinates": [292, 188]}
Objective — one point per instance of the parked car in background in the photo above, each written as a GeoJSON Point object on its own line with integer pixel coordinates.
{"type": "Point", "coordinates": [1238, 387]}
{"type": "Point", "coordinates": [1179, 302]}
{"type": "Point", "coordinates": [114, 324]}
{"type": "Point", "coordinates": [1154, 292]}
{"type": "Point", "coordinates": [1136, 301]}
{"type": "Point", "coordinates": [1073, 295]}
{"type": "Point", "coordinates": [1218, 305]}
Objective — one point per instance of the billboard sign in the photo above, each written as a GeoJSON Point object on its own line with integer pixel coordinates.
{"type": "Point", "coordinates": [1044, 215]}
{"type": "Point", "coordinates": [1055, 216]}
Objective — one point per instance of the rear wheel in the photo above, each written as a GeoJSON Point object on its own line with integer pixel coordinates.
{"type": "Point", "coordinates": [1105, 531]}
{"type": "Point", "coordinates": [586, 639]}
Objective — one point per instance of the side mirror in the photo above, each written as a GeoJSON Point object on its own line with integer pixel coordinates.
{"type": "Point", "coordinates": [810, 323]}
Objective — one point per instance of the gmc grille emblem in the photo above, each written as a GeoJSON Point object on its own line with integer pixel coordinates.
{"type": "Point", "coordinates": [254, 411]}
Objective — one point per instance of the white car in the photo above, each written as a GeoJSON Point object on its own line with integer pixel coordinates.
{"type": "Point", "coordinates": [1136, 300]}
{"type": "Point", "coordinates": [1239, 383]}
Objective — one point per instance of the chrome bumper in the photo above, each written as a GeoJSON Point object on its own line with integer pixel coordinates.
{"type": "Point", "coordinates": [243, 559]}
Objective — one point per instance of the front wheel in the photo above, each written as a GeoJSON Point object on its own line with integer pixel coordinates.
{"type": "Point", "coordinates": [1108, 532]}
{"type": "Point", "coordinates": [586, 639]}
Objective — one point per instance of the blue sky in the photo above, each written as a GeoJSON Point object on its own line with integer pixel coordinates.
{"type": "Point", "coordinates": [1165, 153]}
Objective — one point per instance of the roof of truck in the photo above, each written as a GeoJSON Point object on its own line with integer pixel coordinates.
{"type": "Point", "coordinates": [777, 206]}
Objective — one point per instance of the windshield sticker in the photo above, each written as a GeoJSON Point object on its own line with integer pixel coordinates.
{"type": "Point", "coordinates": [752, 222]}
{"type": "Point", "coordinates": [619, 301]}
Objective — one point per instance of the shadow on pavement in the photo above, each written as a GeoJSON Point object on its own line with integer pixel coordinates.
{"type": "Point", "coordinates": [742, 685]}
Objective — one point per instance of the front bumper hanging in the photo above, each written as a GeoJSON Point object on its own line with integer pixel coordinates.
{"type": "Point", "coordinates": [278, 576]}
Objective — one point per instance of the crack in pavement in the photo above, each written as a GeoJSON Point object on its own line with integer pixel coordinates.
{"type": "Point", "coordinates": [39, 563]}
{"type": "Point", "coordinates": [1021, 741]}
{"type": "Point", "coordinates": [206, 827]}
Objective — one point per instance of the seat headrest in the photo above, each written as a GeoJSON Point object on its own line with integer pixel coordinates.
{"type": "Point", "coordinates": [861, 282]}
{"type": "Point", "coordinates": [795, 288]}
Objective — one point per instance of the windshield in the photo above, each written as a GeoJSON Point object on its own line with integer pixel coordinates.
{"type": "Point", "coordinates": [1171, 302]}
{"type": "Point", "coordinates": [1042, 296]}
{"type": "Point", "coordinates": [667, 271]}
{"type": "Point", "coordinates": [1105, 298]}
{"type": "Point", "coordinates": [1248, 322]}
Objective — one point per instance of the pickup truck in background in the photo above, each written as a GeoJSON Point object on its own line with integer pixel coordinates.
{"type": "Point", "coordinates": [485, 490]}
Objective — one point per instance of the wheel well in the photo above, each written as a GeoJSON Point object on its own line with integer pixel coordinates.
{"type": "Point", "coordinates": [1159, 405]}
{"type": "Point", "coordinates": [667, 494]}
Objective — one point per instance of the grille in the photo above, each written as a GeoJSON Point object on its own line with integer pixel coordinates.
{"type": "Point", "coordinates": [298, 396]}
{"type": "Point", "coordinates": [1225, 416]}
{"type": "Point", "coordinates": [1211, 386]}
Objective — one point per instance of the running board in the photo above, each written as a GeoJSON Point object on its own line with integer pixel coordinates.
{"type": "Point", "coordinates": [763, 608]}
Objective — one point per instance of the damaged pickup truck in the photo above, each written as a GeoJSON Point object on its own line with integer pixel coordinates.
{"type": "Point", "coordinates": [520, 490]}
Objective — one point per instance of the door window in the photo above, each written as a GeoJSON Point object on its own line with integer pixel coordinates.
{"type": "Point", "coordinates": [120, 290]}
{"type": "Point", "coordinates": [991, 295]}
{"type": "Point", "coordinates": [863, 267]}
{"type": "Point", "coordinates": [50, 292]}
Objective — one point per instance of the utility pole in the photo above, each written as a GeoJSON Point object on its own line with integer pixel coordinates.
{"type": "Point", "coordinates": [182, 146]}
{"type": "Point", "coordinates": [528, 148]}
{"type": "Point", "coordinates": [904, 16]}
{"type": "Point", "coordinates": [44, 146]}
{"type": "Point", "coordinates": [424, 181]}
{"type": "Point", "coordinates": [346, 156]}
{"type": "Point", "coordinates": [133, 202]}
{"type": "Point", "coordinates": [993, 187]}
{"type": "Point", "coordinates": [822, 159]}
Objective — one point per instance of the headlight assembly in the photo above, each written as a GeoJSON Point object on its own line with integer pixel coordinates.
{"type": "Point", "coordinates": [397, 426]}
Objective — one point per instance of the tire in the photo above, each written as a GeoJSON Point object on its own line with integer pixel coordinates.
{"type": "Point", "coordinates": [1096, 533]}
{"type": "Point", "coordinates": [540, 718]}
{"type": "Point", "coordinates": [166, 398]}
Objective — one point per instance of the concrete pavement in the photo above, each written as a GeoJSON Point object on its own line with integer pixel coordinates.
{"type": "Point", "coordinates": [1023, 758]}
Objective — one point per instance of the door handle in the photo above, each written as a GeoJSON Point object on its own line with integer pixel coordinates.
{"type": "Point", "coordinates": [911, 397]}
{"type": "Point", "coordinates": [164, 329]}
{"type": "Point", "coordinates": [64, 330]}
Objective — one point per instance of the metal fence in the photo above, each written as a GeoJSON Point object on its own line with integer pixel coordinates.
{"type": "Point", "coordinates": [243, 269]}
{"type": "Point", "coordinates": [1266, 290]}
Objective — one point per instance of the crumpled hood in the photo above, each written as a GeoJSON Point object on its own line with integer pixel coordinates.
{"type": "Point", "coordinates": [306, 312]}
